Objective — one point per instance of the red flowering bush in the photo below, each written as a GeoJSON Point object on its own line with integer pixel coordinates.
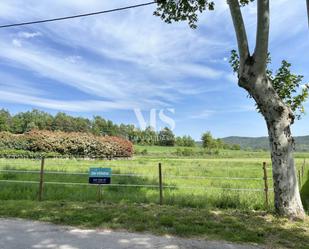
{"type": "Point", "coordinates": [76, 144]}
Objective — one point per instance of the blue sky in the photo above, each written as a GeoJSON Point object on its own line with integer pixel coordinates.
{"type": "Point", "coordinates": [110, 65]}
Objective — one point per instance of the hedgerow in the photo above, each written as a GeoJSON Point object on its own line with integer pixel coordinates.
{"type": "Point", "coordinates": [63, 143]}
{"type": "Point", "coordinates": [11, 153]}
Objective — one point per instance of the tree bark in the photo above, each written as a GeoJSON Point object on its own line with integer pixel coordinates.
{"type": "Point", "coordinates": [286, 193]}
{"type": "Point", "coordinates": [279, 117]}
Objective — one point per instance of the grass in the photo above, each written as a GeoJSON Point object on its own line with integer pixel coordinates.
{"type": "Point", "coordinates": [186, 192]}
{"type": "Point", "coordinates": [231, 225]}
{"type": "Point", "coordinates": [171, 152]}
{"type": "Point", "coordinates": [305, 193]}
{"type": "Point", "coordinates": [191, 211]}
{"type": "Point", "coordinates": [180, 190]}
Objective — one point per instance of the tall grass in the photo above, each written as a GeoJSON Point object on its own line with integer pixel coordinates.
{"type": "Point", "coordinates": [182, 178]}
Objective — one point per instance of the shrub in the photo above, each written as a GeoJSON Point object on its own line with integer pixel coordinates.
{"type": "Point", "coordinates": [141, 152]}
{"type": "Point", "coordinates": [185, 141]}
{"type": "Point", "coordinates": [188, 152]}
{"type": "Point", "coordinates": [72, 144]}
{"type": "Point", "coordinates": [11, 153]}
{"type": "Point", "coordinates": [12, 141]}
{"type": "Point", "coordinates": [166, 137]}
{"type": "Point", "coordinates": [184, 152]}
{"type": "Point", "coordinates": [144, 152]}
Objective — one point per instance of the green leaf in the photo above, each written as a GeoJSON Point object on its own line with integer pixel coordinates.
{"type": "Point", "coordinates": [288, 86]}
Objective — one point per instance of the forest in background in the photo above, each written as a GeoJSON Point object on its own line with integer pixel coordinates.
{"type": "Point", "coordinates": [23, 122]}
{"type": "Point", "coordinates": [262, 143]}
{"type": "Point", "coordinates": [38, 120]}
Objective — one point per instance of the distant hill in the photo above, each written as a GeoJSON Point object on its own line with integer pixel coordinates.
{"type": "Point", "coordinates": [302, 142]}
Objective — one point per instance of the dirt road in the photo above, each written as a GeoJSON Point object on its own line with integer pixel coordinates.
{"type": "Point", "coordinates": [24, 234]}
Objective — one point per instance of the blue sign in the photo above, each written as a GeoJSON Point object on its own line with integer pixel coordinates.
{"type": "Point", "coordinates": [100, 175]}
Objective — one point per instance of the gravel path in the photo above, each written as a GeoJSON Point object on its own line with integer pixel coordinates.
{"type": "Point", "coordinates": [24, 234]}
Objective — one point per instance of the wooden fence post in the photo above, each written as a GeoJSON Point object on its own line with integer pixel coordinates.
{"type": "Point", "coordinates": [99, 193]}
{"type": "Point", "coordinates": [160, 184]}
{"type": "Point", "coordinates": [303, 169]}
{"type": "Point", "coordinates": [265, 184]}
{"type": "Point", "coordinates": [41, 179]}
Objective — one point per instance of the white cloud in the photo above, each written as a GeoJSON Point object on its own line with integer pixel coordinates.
{"type": "Point", "coordinates": [195, 70]}
{"type": "Point", "coordinates": [126, 57]}
{"type": "Point", "coordinates": [231, 77]}
{"type": "Point", "coordinates": [28, 35]}
{"type": "Point", "coordinates": [76, 106]}
{"type": "Point", "coordinates": [16, 42]}
{"type": "Point", "coordinates": [73, 58]}
{"type": "Point", "coordinates": [12, 83]}
{"type": "Point", "coordinates": [154, 64]}
{"type": "Point", "coordinates": [203, 114]}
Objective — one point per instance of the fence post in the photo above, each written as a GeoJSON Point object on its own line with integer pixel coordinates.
{"type": "Point", "coordinates": [99, 193]}
{"type": "Point", "coordinates": [303, 169]}
{"type": "Point", "coordinates": [41, 179]}
{"type": "Point", "coordinates": [160, 184]}
{"type": "Point", "coordinates": [265, 184]}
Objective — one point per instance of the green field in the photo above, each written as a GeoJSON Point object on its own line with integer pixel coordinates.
{"type": "Point", "coordinates": [227, 182]}
{"type": "Point", "coordinates": [232, 180]}
{"type": "Point", "coordinates": [199, 152]}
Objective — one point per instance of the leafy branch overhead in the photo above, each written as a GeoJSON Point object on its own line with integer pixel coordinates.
{"type": "Point", "coordinates": [287, 85]}
{"type": "Point", "coordinates": [185, 10]}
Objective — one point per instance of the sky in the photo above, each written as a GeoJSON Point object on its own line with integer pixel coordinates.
{"type": "Point", "coordinates": [130, 67]}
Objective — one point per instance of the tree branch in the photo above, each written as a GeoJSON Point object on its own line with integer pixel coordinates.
{"type": "Point", "coordinates": [239, 26]}
{"type": "Point", "coordinates": [262, 35]}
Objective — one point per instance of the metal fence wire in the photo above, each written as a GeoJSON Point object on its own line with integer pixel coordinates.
{"type": "Point", "coordinates": [12, 167]}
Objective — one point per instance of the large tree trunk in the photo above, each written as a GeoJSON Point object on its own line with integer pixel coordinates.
{"type": "Point", "coordinates": [278, 117]}
{"type": "Point", "coordinates": [287, 197]}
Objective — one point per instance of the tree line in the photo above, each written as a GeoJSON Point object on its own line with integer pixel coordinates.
{"type": "Point", "coordinates": [39, 120]}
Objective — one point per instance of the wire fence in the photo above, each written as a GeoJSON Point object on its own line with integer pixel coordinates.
{"type": "Point", "coordinates": [135, 175]}
{"type": "Point", "coordinates": [159, 184]}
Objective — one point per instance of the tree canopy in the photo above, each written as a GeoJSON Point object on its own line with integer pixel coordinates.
{"type": "Point", "coordinates": [38, 120]}
{"type": "Point", "coordinates": [185, 10]}
{"type": "Point", "coordinates": [289, 86]}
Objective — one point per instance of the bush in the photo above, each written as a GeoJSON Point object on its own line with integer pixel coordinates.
{"type": "Point", "coordinates": [10, 153]}
{"type": "Point", "coordinates": [72, 144]}
{"type": "Point", "coordinates": [185, 141]}
{"type": "Point", "coordinates": [141, 152]}
{"type": "Point", "coordinates": [199, 153]}
{"type": "Point", "coordinates": [12, 141]}
{"type": "Point", "coordinates": [144, 152]}
{"type": "Point", "coordinates": [166, 137]}
{"type": "Point", "coordinates": [188, 152]}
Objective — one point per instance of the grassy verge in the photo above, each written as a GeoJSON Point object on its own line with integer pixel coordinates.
{"type": "Point", "coordinates": [230, 225]}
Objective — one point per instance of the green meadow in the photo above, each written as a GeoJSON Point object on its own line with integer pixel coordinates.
{"type": "Point", "coordinates": [225, 186]}
{"type": "Point", "coordinates": [230, 179]}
